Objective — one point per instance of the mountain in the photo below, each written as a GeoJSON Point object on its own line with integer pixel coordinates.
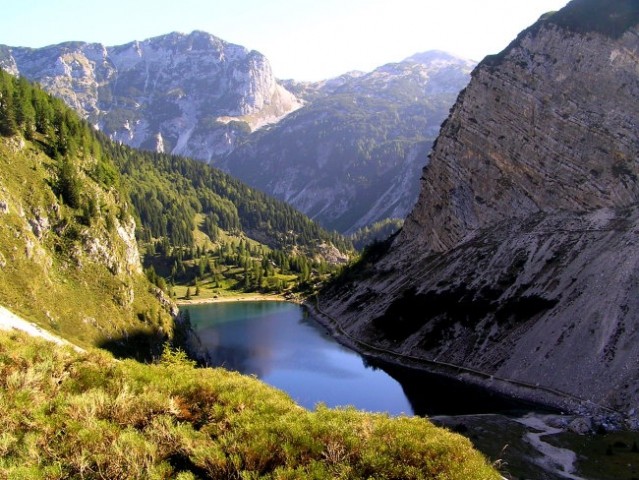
{"type": "Point", "coordinates": [352, 155]}
{"type": "Point", "coordinates": [179, 93]}
{"type": "Point", "coordinates": [517, 267]}
{"type": "Point", "coordinates": [81, 209]}
{"type": "Point", "coordinates": [193, 95]}
{"type": "Point", "coordinates": [70, 265]}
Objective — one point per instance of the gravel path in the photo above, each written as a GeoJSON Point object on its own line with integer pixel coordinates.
{"type": "Point", "coordinates": [559, 461]}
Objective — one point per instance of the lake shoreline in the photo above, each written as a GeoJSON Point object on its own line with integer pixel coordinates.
{"type": "Point", "coordinates": [538, 397]}
{"type": "Point", "coordinates": [248, 297]}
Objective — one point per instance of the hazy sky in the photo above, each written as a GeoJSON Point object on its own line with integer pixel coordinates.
{"type": "Point", "coordinates": [303, 39]}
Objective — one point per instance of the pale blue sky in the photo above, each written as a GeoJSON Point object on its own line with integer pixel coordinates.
{"type": "Point", "coordinates": [304, 40]}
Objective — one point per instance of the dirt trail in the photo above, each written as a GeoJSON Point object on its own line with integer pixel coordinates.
{"type": "Point", "coordinates": [559, 461]}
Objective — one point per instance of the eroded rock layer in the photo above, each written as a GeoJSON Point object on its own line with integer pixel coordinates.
{"type": "Point", "coordinates": [520, 258]}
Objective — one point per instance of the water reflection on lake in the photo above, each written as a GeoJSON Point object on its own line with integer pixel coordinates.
{"type": "Point", "coordinates": [281, 345]}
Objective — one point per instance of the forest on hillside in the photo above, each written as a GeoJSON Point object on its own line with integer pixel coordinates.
{"type": "Point", "coordinates": [195, 224]}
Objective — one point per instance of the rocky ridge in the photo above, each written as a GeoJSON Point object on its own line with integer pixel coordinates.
{"type": "Point", "coordinates": [193, 95]}
{"type": "Point", "coordinates": [517, 268]}
{"type": "Point", "coordinates": [352, 155]}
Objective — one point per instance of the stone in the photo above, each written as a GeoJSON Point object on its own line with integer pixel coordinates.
{"type": "Point", "coordinates": [581, 426]}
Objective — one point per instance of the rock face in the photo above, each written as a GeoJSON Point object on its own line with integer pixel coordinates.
{"type": "Point", "coordinates": [519, 262]}
{"type": "Point", "coordinates": [193, 95]}
{"type": "Point", "coordinates": [353, 154]}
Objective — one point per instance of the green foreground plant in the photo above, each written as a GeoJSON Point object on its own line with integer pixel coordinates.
{"type": "Point", "coordinates": [65, 414]}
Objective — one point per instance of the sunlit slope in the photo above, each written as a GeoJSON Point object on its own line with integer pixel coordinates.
{"type": "Point", "coordinates": [69, 415]}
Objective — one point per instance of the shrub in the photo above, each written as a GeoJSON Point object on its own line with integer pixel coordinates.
{"type": "Point", "coordinates": [69, 415]}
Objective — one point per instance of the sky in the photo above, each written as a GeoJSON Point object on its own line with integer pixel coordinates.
{"type": "Point", "coordinates": [303, 39]}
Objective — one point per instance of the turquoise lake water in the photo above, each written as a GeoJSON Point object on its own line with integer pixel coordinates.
{"type": "Point", "coordinates": [279, 344]}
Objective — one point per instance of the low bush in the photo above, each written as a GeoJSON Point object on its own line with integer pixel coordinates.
{"type": "Point", "coordinates": [65, 414]}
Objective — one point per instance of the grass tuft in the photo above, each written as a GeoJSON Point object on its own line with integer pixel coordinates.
{"type": "Point", "coordinates": [65, 414]}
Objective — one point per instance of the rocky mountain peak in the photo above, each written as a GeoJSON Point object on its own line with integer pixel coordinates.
{"type": "Point", "coordinates": [352, 155]}
{"type": "Point", "coordinates": [439, 58]}
{"type": "Point", "coordinates": [351, 158]}
{"type": "Point", "coordinates": [197, 92]}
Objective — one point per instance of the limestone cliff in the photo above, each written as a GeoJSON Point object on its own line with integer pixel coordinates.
{"type": "Point", "coordinates": [520, 259]}
{"type": "Point", "coordinates": [192, 95]}
{"type": "Point", "coordinates": [353, 154]}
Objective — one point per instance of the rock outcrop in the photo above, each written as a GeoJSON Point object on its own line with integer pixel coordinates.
{"type": "Point", "coordinates": [519, 266]}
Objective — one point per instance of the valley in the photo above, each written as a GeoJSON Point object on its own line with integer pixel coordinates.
{"type": "Point", "coordinates": [451, 223]}
{"type": "Point", "coordinates": [311, 144]}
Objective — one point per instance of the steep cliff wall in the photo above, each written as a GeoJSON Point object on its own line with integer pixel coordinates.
{"type": "Point", "coordinates": [519, 259]}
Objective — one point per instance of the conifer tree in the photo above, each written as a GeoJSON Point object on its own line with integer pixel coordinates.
{"type": "Point", "coordinates": [8, 125]}
{"type": "Point", "coordinates": [69, 186]}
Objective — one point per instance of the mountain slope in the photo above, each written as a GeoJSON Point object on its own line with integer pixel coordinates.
{"type": "Point", "coordinates": [352, 155]}
{"type": "Point", "coordinates": [193, 95]}
{"type": "Point", "coordinates": [69, 260]}
{"type": "Point", "coordinates": [198, 96]}
{"type": "Point", "coordinates": [72, 203]}
{"type": "Point", "coordinates": [169, 191]}
{"type": "Point", "coordinates": [518, 263]}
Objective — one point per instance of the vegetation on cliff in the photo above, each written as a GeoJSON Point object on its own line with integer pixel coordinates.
{"type": "Point", "coordinates": [75, 207]}
{"type": "Point", "coordinates": [68, 257]}
{"type": "Point", "coordinates": [611, 18]}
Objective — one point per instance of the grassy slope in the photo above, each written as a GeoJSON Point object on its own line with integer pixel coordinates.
{"type": "Point", "coordinates": [69, 415]}
{"type": "Point", "coordinates": [51, 279]}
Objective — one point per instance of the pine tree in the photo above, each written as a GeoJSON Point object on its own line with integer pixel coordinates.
{"type": "Point", "coordinates": [69, 186]}
{"type": "Point", "coordinates": [25, 113]}
{"type": "Point", "coordinates": [202, 264]}
{"type": "Point", "coordinates": [8, 125]}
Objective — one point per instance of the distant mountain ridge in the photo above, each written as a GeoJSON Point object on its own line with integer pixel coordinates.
{"type": "Point", "coordinates": [349, 158]}
{"type": "Point", "coordinates": [353, 154]}
{"type": "Point", "coordinates": [193, 95]}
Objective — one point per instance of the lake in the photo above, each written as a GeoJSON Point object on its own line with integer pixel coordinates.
{"type": "Point", "coordinates": [284, 347]}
